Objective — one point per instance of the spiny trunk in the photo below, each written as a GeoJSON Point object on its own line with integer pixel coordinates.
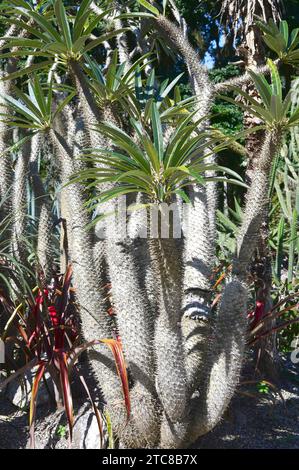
{"type": "Point", "coordinates": [135, 324]}
{"type": "Point", "coordinates": [257, 200]}
{"type": "Point", "coordinates": [6, 173]}
{"type": "Point", "coordinates": [175, 36]}
{"type": "Point", "coordinates": [198, 250]}
{"type": "Point", "coordinates": [198, 260]}
{"type": "Point", "coordinates": [6, 88]}
{"type": "Point", "coordinates": [121, 39]}
{"type": "Point", "coordinates": [87, 109]}
{"type": "Point", "coordinates": [44, 213]}
{"type": "Point", "coordinates": [171, 374]}
{"type": "Point", "coordinates": [136, 329]}
{"type": "Point", "coordinates": [94, 318]}
{"type": "Point", "coordinates": [77, 136]}
{"type": "Point", "coordinates": [138, 232]}
{"type": "Point", "coordinates": [171, 381]}
{"type": "Point", "coordinates": [225, 353]}
{"type": "Point", "coordinates": [222, 362]}
{"type": "Point", "coordinates": [200, 228]}
{"type": "Point", "coordinates": [108, 114]}
{"type": "Point", "coordinates": [19, 205]}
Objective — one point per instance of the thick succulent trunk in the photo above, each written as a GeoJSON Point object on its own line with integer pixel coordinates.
{"type": "Point", "coordinates": [121, 39]}
{"type": "Point", "coordinates": [166, 258]}
{"type": "Point", "coordinates": [226, 350]}
{"type": "Point", "coordinates": [198, 269]}
{"type": "Point", "coordinates": [44, 214]}
{"type": "Point", "coordinates": [222, 361]}
{"type": "Point", "coordinates": [108, 114]}
{"type": "Point", "coordinates": [137, 229]}
{"type": "Point", "coordinates": [132, 309]}
{"type": "Point", "coordinates": [19, 205]}
{"type": "Point", "coordinates": [171, 381]}
{"type": "Point", "coordinates": [200, 238]}
{"type": "Point", "coordinates": [89, 115]}
{"type": "Point", "coordinates": [87, 109]}
{"type": "Point", "coordinates": [6, 173]}
{"type": "Point", "coordinates": [95, 320]}
{"type": "Point", "coordinates": [199, 231]}
{"type": "Point", "coordinates": [136, 329]}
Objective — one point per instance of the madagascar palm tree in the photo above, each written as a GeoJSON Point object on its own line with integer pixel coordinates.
{"type": "Point", "coordinates": [183, 368]}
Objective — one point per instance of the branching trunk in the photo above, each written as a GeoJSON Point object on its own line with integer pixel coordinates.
{"type": "Point", "coordinates": [94, 318]}
{"type": "Point", "coordinates": [226, 350]}
{"type": "Point", "coordinates": [199, 231]}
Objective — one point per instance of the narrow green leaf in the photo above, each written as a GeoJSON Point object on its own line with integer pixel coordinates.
{"type": "Point", "coordinates": [29, 101]}
{"type": "Point", "coordinates": [94, 24]}
{"type": "Point", "coordinates": [139, 14]}
{"type": "Point", "coordinates": [284, 30]}
{"type": "Point", "coordinates": [63, 22]}
{"type": "Point", "coordinates": [157, 131]}
{"type": "Point", "coordinates": [273, 45]}
{"type": "Point", "coordinates": [149, 89]}
{"type": "Point", "coordinates": [111, 72]}
{"type": "Point", "coordinates": [19, 107]}
{"type": "Point", "coordinates": [79, 44]}
{"type": "Point", "coordinates": [149, 7]}
{"type": "Point", "coordinates": [226, 222]}
{"type": "Point", "coordinates": [27, 70]}
{"type": "Point", "coordinates": [45, 25]}
{"type": "Point", "coordinates": [15, 42]}
{"type": "Point", "coordinates": [39, 95]}
{"type": "Point", "coordinates": [293, 39]}
{"type": "Point", "coordinates": [167, 90]}
{"type": "Point", "coordinates": [262, 86]}
{"type": "Point", "coordinates": [81, 17]}
{"type": "Point", "coordinates": [276, 82]}
{"type": "Point", "coordinates": [281, 200]}
{"type": "Point", "coordinates": [63, 103]}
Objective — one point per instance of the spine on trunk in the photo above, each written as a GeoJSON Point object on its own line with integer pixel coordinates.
{"type": "Point", "coordinates": [171, 381]}
{"type": "Point", "coordinates": [171, 374]}
{"type": "Point", "coordinates": [200, 238]}
{"type": "Point", "coordinates": [95, 320]}
{"type": "Point", "coordinates": [223, 361]}
{"type": "Point", "coordinates": [256, 201]}
{"type": "Point", "coordinates": [226, 350]}
{"type": "Point", "coordinates": [19, 204]}
{"type": "Point", "coordinates": [132, 309]}
{"type": "Point", "coordinates": [43, 211]}
{"type": "Point", "coordinates": [122, 44]}
{"type": "Point", "coordinates": [88, 109]}
{"type": "Point", "coordinates": [136, 330]}
{"type": "Point", "coordinates": [6, 88]}
{"type": "Point", "coordinates": [198, 227]}
{"type": "Point", "coordinates": [6, 173]}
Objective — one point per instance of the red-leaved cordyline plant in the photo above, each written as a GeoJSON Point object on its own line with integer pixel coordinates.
{"type": "Point", "coordinates": [49, 339]}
